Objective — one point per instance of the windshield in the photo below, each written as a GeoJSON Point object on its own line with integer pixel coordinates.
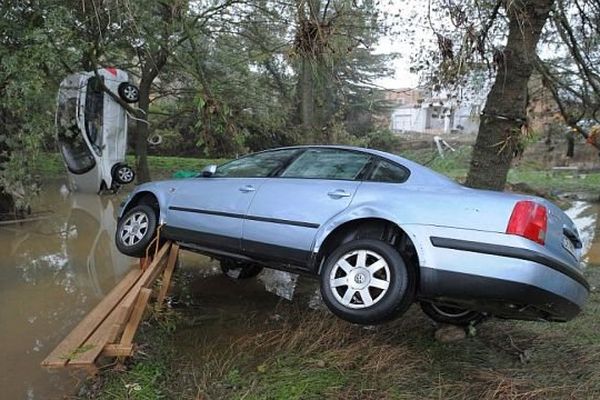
{"type": "Point", "coordinates": [73, 148]}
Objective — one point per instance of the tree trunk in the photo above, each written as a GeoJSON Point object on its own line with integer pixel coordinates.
{"type": "Point", "coordinates": [570, 145]}
{"type": "Point", "coordinates": [7, 204]}
{"type": "Point", "coordinates": [505, 110]}
{"type": "Point", "coordinates": [307, 101]}
{"type": "Point", "coordinates": [141, 133]}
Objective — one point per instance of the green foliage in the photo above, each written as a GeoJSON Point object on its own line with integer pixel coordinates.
{"type": "Point", "coordinates": [27, 92]}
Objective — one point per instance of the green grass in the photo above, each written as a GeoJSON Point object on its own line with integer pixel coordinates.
{"type": "Point", "coordinates": [50, 165]}
{"type": "Point", "coordinates": [144, 381]}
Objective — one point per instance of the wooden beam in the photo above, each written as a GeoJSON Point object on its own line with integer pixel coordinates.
{"type": "Point", "coordinates": [126, 306]}
{"type": "Point", "coordinates": [72, 343]}
{"type": "Point", "coordinates": [117, 350]}
{"type": "Point", "coordinates": [166, 280]}
{"type": "Point", "coordinates": [145, 262]}
{"type": "Point", "coordinates": [136, 317]}
{"type": "Point", "coordinates": [113, 322]}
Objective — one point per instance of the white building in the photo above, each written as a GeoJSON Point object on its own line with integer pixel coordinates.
{"type": "Point", "coordinates": [435, 117]}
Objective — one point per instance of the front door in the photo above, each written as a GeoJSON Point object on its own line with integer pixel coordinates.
{"type": "Point", "coordinates": [209, 211]}
{"type": "Point", "coordinates": [288, 210]}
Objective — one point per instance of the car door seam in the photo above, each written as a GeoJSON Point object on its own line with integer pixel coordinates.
{"type": "Point", "coordinates": [249, 217]}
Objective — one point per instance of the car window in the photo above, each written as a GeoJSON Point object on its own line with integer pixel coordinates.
{"type": "Point", "coordinates": [387, 172]}
{"type": "Point", "coordinates": [94, 109]}
{"type": "Point", "coordinates": [258, 165]}
{"type": "Point", "coordinates": [328, 164]}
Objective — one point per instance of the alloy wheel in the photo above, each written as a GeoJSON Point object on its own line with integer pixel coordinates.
{"type": "Point", "coordinates": [134, 228]}
{"type": "Point", "coordinates": [360, 278]}
{"type": "Point", "coordinates": [130, 93]}
{"type": "Point", "coordinates": [125, 174]}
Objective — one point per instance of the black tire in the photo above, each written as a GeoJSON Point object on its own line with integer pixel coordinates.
{"type": "Point", "coordinates": [386, 303]}
{"type": "Point", "coordinates": [240, 270]}
{"type": "Point", "coordinates": [128, 92]}
{"type": "Point", "coordinates": [451, 315]}
{"type": "Point", "coordinates": [123, 174]}
{"type": "Point", "coordinates": [137, 246]}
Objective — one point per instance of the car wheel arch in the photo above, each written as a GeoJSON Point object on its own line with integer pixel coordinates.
{"type": "Point", "coordinates": [144, 197]}
{"type": "Point", "coordinates": [373, 228]}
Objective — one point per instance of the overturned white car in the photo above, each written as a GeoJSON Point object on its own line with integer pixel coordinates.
{"type": "Point", "coordinates": [91, 129]}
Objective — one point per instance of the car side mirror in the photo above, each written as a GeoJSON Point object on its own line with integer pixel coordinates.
{"type": "Point", "coordinates": [209, 170]}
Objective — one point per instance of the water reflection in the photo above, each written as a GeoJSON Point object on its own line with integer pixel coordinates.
{"type": "Point", "coordinates": [585, 215]}
{"type": "Point", "coordinates": [52, 272]}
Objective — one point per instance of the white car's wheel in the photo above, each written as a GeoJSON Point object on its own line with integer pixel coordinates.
{"type": "Point", "coordinates": [123, 174]}
{"type": "Point", "coordinates": [366, 281]}
{"type": "Point", "coordinates": [128, 92]}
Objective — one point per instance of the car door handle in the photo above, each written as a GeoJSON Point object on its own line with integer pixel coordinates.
{"type": "Point", "coordinates": [247, 189]}
{"type": "Point", "coordinates": [336, 194]}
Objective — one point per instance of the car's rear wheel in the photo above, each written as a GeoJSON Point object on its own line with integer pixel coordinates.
{"type": "Point", "coordinates": [240, 270]}
{"type": "Point", "coordinates": [136, 230]}
{"type": "Point", "coordinates": [123, 174]}
{"type": "Point", "coordinates": [128, 92]}
{"type": "Point", "coordinates": [366, 281]}
{"type": "Point", "coordinates": [451, 315]}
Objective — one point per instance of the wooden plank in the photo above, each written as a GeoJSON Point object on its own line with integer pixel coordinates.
{"type": "Point", "coordinates": [166, 280]}
{"type": "Point", "coordinates": [103, 334]}
{"type": "Point", "coordinates": [70, 344]}
{"type": "Point", "coordinates": [142, 263]}
{"type": "Point", "coordinates": [125, 308]}
{"type": "Point", "coordinates": [117, 350]}
{"type": "Point", "coordinates": [136, 316]}
{"type": "Point", "coordinates": [92, 347]}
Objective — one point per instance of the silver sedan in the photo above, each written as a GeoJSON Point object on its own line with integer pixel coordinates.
{"type": "Point", "coordinates": [380, 232]}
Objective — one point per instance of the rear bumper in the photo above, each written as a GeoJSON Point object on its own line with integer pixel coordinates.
{"type": "Point", "coordinates": [493, 273]}
{"type": "Point", "coordinates": [502, 298]}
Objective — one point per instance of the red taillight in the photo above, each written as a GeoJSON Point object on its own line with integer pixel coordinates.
{"type": "Point", "coordinates": [530, 220]}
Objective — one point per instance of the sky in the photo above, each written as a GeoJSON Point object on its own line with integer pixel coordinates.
{"type": "Point", "coordinates": [402, 78]}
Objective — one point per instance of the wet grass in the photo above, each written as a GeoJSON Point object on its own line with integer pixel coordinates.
{"type": "Point", "coordinates": [308, 354]}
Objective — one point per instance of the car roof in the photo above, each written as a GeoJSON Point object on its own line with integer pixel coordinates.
{"type": "Point", "coordinates": [419, 174]}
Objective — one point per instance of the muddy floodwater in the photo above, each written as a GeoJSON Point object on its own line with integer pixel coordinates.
{"type": "Point", "coordinates": [55, 269]}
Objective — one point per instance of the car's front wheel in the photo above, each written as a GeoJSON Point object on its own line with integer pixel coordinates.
{"type": "Point", "coordinates": [451, 315]}
{"type": "Point", "coordinates": [366, 281]}
{"type": "Point", "coordinates": [136, 230]}
{"type": "Point", "coordinates": [240, 270]}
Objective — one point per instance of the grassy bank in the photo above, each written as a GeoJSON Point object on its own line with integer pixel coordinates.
{"type": "Point", "coordinates": [454, 165]}
{"type": "Point", "coordinates": [308, 354]}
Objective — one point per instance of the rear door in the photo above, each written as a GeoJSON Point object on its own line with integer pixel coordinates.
{"type": "Point", "coordinates": [209, 211]}
{"type": "Point", "coordinates": [287, 210]}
